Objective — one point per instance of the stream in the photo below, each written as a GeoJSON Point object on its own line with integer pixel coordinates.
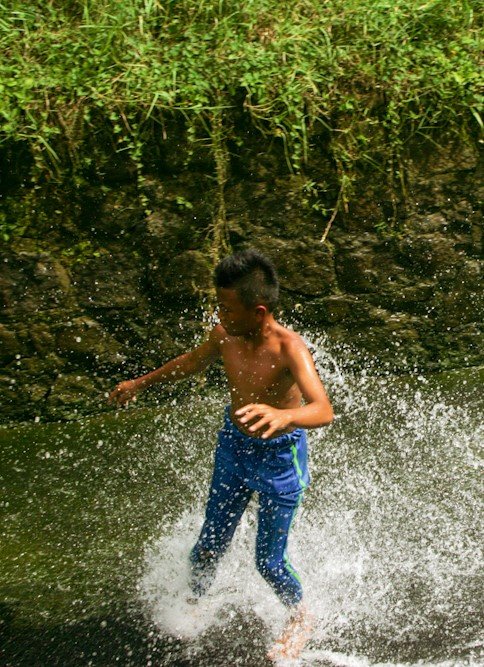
{"type": "Point", "coordinates": [98, 517]}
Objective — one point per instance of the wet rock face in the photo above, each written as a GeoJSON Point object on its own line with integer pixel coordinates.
{"type": "Point", "coordinates": [100, 287]}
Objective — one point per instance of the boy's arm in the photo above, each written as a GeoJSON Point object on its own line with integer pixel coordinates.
{"type": "Point", "coordinates": [179, 368]}
{"type": "Point", "coordinates": [317, 411]}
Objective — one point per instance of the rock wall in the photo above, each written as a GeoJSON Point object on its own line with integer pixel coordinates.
{"type": "Point", "coordinates": [98, 283]}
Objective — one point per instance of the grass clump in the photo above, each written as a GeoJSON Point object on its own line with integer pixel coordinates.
{"type": "Point", "coordinates": [371, 74]}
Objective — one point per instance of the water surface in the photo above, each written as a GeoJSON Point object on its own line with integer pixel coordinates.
{"type": "Point", "coordinates": [99, 516]}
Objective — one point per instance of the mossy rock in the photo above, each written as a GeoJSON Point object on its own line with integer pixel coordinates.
{"type": "Point", "coordinates": [73, 395]}
{"type": "Point", "coordinates": [304, 269]}
{"type": "Point", "coordinates": [112, 280]}
{"type": "Point", "coordinates": [10, 345]}
{"type": "Point", "coordinates": [84, 340]}
{"type": "Point", "coordinates": [183, 277]}
{"type": "Point", "coordinates": [14, 400]}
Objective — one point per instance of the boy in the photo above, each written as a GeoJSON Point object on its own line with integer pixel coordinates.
{"type": "Point", "coordinates": [262, 445]}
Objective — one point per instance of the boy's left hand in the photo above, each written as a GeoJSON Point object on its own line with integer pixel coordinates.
{"type": "Point", "coordinates": [273, 418]}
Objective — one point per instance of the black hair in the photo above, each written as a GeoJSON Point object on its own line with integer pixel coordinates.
{"type": "Point", "coordinates": [252, 276]}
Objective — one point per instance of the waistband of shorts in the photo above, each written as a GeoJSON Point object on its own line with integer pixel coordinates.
{"type": "Point", "coordinates": [284, 440]}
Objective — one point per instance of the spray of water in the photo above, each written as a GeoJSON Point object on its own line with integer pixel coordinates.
{"type": "Point", "coordinates": [387, 541]}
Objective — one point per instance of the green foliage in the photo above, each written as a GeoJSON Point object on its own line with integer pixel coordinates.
{"type": "Point", "coordinates": [371, 73]}
{"type": "Point", "coordinates": [9, 229]}
{"type": "Point", "coordinates": [81, 252]}
{"type": "Point", "coordinates": [183, 203]}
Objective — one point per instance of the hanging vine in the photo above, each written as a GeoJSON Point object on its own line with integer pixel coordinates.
{"type": "Point", "coordinates": [220, 239]}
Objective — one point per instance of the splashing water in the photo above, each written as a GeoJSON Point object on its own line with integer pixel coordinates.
{"type": "Point", "coordinates": [101, 516]}
{"type": "Point", "coordinates": [387, 541]}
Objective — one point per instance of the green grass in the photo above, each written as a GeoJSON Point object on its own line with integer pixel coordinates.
{"type": "Point", "coordinates": [371, 73]}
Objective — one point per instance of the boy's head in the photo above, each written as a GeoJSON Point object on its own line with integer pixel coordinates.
{"type": "Point", "coordinates": [247, 289]}
{"type": "Point", "coordinates": [252, 276]}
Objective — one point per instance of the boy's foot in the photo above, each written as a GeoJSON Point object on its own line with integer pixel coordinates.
{"type": "Point", "coordinates": [294, 637]}
{"type": "Point", "coordinates": [192, 610]}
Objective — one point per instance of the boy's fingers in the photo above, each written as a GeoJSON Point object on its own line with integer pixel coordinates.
{"type": "Point", "coordinates": [119, 397]}
{"type": "Point", "coordinates": [258, 408]}
{"type": "Point", "coordinates": [245, 409]}
{"type": "Point", "coordinates": [249, 414]}
{"type": "Point", "coordinates": [258, 425]}
{"type": "Point", "coordinates": [273, 427]}
{"type": "Point", "coordinates": [112, 399]}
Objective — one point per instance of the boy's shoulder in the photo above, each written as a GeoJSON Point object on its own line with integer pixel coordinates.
{"type": "Point", "coordinates": [290, 339]}
{"type": "Point", "coordinates": [287, 340]}
{"type": "Point", "coordinates": [217, 334]}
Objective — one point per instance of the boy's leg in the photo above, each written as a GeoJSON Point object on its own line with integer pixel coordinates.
{"type": "Point", "coordinates": [275, 519]}
{"type": "Point", "coordinates": [226, 503]}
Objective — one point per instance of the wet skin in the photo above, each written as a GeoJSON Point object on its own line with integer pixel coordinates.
{"type": "Point", "coordinates": [269, 369]}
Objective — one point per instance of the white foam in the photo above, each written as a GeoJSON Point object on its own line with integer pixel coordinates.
{"type": "Point", "coordinates": [164, 590]}
{"type": "Point", "coordinates": [386, 542]}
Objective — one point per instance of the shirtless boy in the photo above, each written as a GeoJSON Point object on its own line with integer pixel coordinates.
{"type": "Point", "coordinates": [275, 395]}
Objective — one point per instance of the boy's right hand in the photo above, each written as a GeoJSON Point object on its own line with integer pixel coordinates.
{"type": "Point", "coordinates": [124, 392]}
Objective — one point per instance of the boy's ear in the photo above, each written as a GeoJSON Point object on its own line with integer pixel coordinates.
{"type": "Point", "coordinates": [260, 310]}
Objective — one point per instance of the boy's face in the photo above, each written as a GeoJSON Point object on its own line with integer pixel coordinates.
{"type": "Point", "coordinates": [237, 319]}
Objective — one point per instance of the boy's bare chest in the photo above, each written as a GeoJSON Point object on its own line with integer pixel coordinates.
{"type": "Point", "coordinates": [260, 370]}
